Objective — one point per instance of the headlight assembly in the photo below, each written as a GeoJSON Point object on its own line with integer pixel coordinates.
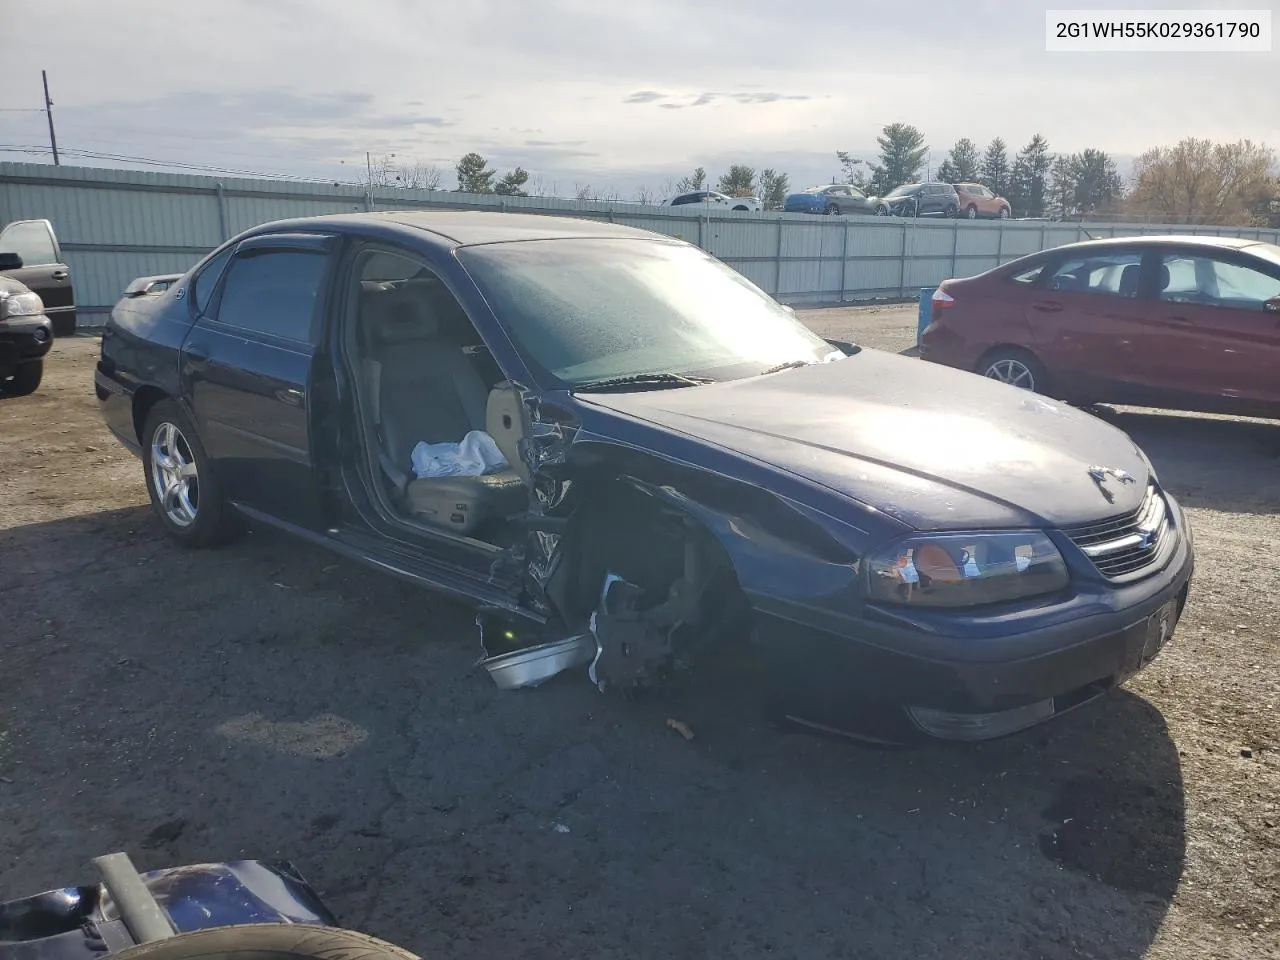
{"type": "Point", "coordinates": [21, 305]}
{"type": "Point", "coordinates": [966, 569]}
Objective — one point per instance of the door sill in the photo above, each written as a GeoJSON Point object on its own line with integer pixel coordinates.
{"type": "Point", "coordinates": [372, 552]}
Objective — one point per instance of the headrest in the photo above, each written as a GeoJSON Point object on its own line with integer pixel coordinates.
{"type": "Point", "coordinates": [1164, 276]}
{"type": "Point", "coordinates": [393, 316]}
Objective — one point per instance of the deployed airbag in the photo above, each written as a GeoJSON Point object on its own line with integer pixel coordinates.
{"type": "Point", "coordinates": [475, 455]}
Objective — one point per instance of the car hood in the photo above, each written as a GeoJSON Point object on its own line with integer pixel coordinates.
{"type": "Point", "coordinates": [933, 447]}
{"type": "Point", "coordinates": [12, 287]}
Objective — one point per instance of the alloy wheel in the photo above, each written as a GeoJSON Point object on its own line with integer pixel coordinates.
{"type": "Point", "coordinates": [174, 476]}
{"type": "Point", "coordinates": [1013, 372]}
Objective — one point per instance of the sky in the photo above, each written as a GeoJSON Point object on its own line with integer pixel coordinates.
{"type": "Point", "coordinates": [616, 95]}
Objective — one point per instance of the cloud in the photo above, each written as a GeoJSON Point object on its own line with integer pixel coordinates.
{"type": "Point", "coordinates": [398, 76]}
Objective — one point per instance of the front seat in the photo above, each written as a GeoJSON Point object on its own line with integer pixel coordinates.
{"type": "Point", "coordinates": [426, 390]}
{"type": "Point", "coordinates": [1129, 280]}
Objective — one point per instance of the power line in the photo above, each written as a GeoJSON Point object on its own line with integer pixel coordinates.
{"type": "Point", "coordinates": [33, 149]}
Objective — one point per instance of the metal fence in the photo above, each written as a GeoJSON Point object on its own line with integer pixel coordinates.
{"type": "Point", "coordinates": [115, 225]}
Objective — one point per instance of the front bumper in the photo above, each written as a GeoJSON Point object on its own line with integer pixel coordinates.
{"type": "Point", "coordinates": [893, 686]}
{"type": "Point", "coordinates": [23, 339]}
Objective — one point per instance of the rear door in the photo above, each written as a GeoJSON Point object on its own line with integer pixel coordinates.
{"type": "Point", "coordinates": [248, 366]}
{"type": "Point", "coordinates": [42, 270]}
{"type": "Point", "coordinates": [1218, 313]}
{"type": "Point", "coordinates": [1088, 318]}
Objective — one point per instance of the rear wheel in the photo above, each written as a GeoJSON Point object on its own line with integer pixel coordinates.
{"type": "Point", "coordinates": [882, 211]}
{"type": "Point", "coordinates": [952, 212]}
{"type": "Point", "coordinates": [267, 941]}
{"type": "Point", "coordinates": [832, 209]}
{"type": "Point", "coordinates": [25, 380]}
{"type": "Point", "coordinates": [185, 494]}
{"type": "Point", "coordinates": [1016, 367]}
{"type": "Point", "coordinates": [971, 212]}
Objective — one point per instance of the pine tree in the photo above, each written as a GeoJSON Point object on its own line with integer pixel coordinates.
{"type": "Point", "coordinates": [1028, 182]}
{"type": "Point", "coordinates": [902, 155]}
{"type": "Point", "coordinates": [474, 175]}
{"type": "Point", "coordinates": [995, 167]}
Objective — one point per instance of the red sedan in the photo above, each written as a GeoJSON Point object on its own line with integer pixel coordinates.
{"type": "Point", "coordinates": [1185, 323]}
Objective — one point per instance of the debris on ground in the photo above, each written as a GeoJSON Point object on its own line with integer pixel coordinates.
{"type": "Point", "coordinates": [680, 728]}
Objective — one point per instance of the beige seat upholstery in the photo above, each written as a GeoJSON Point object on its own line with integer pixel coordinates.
{"type": "Point", "coordinates": [426, 390]}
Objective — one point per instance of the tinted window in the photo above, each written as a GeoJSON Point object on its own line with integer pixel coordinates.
{"type": "Point", "coordinates": [685, 198]}
{"type": "Point", "coordinates": [1115, 273]}
{"type": "Point", "coordinates": [31, 241]}
{"type": "Point", "coordinates": [1217, 283]}
{"type": "Point", "coordinates": [207, 279]}
{"type": "Point", "coordinates": [273, 292]}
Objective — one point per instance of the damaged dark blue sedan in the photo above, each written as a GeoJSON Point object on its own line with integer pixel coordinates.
{"type": "Point", "coordinates": [606, 437]}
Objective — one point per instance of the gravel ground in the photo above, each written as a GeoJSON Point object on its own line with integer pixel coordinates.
{"type": "Point", "coordinates": [267, 699]}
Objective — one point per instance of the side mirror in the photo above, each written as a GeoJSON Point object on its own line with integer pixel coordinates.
{"type": "Point", "coordinates": [10, 261]}
{"type": "Point", "coordinates": [1272, 305]}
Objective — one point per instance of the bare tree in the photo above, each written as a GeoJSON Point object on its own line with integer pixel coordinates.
{"type": "Point", "coordinates": [583, 191]}
{"type": "Point", "coordinates": [381, 171]}
{"type": "Point", "coordinates": [1198, 181]}
{"type": "Point", "coordinates": [611, 194]}
{"type": "Point", "coordinates": [669, 187]}
{"type": "Point", "coordinates": [419, 176]}
{"type": "Point", "coordinates": [537, 187]}
{"type": "Point", "coordinates": [645, 195]}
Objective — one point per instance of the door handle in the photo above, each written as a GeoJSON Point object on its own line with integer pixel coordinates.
{"type": "Point", "coordinates": [1048, 307]}
{"type": "Point", "coordinates": [1179, 321]}
{"type": "Point", "coordinates": [59, 275]}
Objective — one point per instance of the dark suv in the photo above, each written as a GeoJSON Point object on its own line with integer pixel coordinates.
{"type": "Point", "coordinates": [25, 333]}
{"type": "Point", "coordinates": [920, 200]}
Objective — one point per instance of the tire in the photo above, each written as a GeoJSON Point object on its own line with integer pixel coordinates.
{"type": "Point", "coordinates": [194, 512]}
{"type": "Point", "coordinates": [25, 380]}
{"type": "Point", "coordinates": [832, 209]}
{"type": "Point", "coordinates": [971, 212]}
{"type": "Point", "coordinates": [1004, 213]}
{"type": "Point", "coordinates": [952, 213]}
{"type": "Point", "coordinates": [1016, 367]}
{"type": "Point", "coordinates": [882, 211]}
{"type": "Point", "coordinates": [267, 941]}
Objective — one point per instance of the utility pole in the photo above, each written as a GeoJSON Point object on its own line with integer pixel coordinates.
{"type": "Point", "coordinates": [368, 165]}
{"type": "Point", "coordinates": [48, 112]}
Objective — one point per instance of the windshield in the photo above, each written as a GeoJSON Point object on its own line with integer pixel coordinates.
{"type": "Point", "coordinates": [1266, 250]}
{"type": "Point", "coordinates": [589, 310]}
{"type": "Point", "coordinates": [902, 191]}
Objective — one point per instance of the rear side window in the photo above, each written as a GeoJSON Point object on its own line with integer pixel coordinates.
{"type": "Point", "coordinates": [1115, 274]}
{"type": "Point", "coordinates": [1028, 276]}
{"type": "Point", "coordinates": [32, 241]}
{"type": "Point", "coordinates": [207, 279]}
{"type": "Point", "coordinates": [273, 292]}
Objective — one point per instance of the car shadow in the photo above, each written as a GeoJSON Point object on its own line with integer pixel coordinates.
{"type": "Point", "coordinates": [1211, 462]}
{"type": "Point", "coordinates": [267, 698]}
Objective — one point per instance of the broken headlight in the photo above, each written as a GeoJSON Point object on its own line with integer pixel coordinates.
{"type": "Point", "coordinates": [966, 569]}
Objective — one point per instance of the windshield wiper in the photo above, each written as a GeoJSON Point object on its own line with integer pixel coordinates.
{"type": "Point", "coordinates": [645, 380]}
{"type": "Point", "coordinates": [789, 365]}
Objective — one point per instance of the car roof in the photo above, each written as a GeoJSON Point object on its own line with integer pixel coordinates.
{"type": "Point", "coordinates": [1105, 243]}
{"type": "Point", "coordinates": [468, 227]}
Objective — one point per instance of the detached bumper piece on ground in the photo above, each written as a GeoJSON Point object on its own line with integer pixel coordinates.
{"type": "Point", "coordinates": [207, 910]}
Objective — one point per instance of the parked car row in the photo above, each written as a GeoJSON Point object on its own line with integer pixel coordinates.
{"type": "Point", "coordinates": [928, 199]}
{"type": "Point", "coordinates": [912, 551]}
{"type": "Point", "coordinates": [714, 200]}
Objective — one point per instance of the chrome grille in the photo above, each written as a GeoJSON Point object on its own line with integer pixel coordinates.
{"type": "Point", "coordinates": [1120, 546]}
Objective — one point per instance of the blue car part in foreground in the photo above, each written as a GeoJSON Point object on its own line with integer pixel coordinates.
{"type": "Point", "coordinates": [128, 908]}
